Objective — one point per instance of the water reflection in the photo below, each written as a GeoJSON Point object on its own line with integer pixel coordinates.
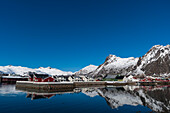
{"type": "Point", "coordinates": [9, 90]}
{"type": "Point", "coordinates": [154, 97]}
{"type": "Point", "coordinates": [34, 96]}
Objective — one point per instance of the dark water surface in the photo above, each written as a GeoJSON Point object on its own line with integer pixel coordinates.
{"type": "Point", "coordinates": [127, 99]}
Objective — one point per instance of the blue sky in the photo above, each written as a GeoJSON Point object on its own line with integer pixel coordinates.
{"type": "Point", "coordinates": [71, 34]}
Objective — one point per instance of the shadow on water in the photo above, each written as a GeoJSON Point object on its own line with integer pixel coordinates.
{"type": "Point", "coordinates": [148, 98]}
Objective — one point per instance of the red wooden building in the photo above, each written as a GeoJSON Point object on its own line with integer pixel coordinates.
{"type": "Point", "coordinates": [40, 77]}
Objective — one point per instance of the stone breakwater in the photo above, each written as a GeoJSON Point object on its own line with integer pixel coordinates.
{"type": "Point", "coordinates": [72, 85]}
{"type": "Point", "coordinates": [56, 85]}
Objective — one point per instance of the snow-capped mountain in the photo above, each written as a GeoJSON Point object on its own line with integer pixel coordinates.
{"type": "Point", "coordinates": [53, 71]}
{"type": "Point", "coordinates": [115, 65]}
{"type": "Point", "coordinates": [86, 70]}
{"type": "Point", "coordinates": [21, 70]}
{"type": "Point", "coordinates": [155, 62]}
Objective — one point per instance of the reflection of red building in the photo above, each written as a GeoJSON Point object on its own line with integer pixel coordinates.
{"type": "Point", "coordinates": [39, 96]}
{"type": "Point", "coordinates": [40, 77]}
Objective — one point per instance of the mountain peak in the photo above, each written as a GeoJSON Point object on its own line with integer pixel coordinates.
{"type": "Point", "coordinates": [155, 61]}
{"type": "Point", "coordinates": [86, 70]}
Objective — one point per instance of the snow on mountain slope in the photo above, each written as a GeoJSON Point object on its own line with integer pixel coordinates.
{"type": "Point", "coordinates": [53, 71]}
{"type": "Point", "coordinates": [21, 70]}
{"type": "Point", "coordinates": [118, 62]}
{"type": "Point", "coordinates": [155, 62]}
{"type": "Point", "coordinates": [15, 69]}
{"type": "Point", "coordinates": [155, 52]}
{"type": "Point", "coordinates": [115, 65]}
{"type": "Point", "coordinates": [86, 70]}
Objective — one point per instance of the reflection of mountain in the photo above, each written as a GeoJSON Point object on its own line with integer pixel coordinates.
{"type": "Point", "coordinates": [116, 97]}
{"type": "Point", "coordinates": [162, 97]}
{"type": "Point", "coordinates": [8, 89]}
{"type": "Point", "coordinates": [157, 99]}
{"type": "Point", "coordinates": [90, 92]}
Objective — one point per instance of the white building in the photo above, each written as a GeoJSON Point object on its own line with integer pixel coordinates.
{"type": "Point", "coordinates": [130, 79]}
{"type": "Point", "coordinates": [71, 79]}
{"type": "Point", "coordinates": [60, 78]}
{"type": "Point", "coordinates": [75, 79]}
{"type": "Point", "coordinates": [87, 79]}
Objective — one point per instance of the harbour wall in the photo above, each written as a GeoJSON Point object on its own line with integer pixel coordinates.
{"type": "Point", "coordinates": [71, 85]}
{"type": "Point", "coordinates": [57, 85]}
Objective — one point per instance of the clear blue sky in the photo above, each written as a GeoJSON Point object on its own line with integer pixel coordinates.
{"type": "Point", "coordinates": [70, 34]}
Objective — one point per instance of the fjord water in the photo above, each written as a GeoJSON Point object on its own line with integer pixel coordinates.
{"type": "Point", "coordinates": [127, 99]}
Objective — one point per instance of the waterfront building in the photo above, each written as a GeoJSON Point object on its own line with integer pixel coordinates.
{"type": "Point", "coordinates": [75, 79]}
{"type": "Point", "coordinates": [40, 77]}
{"type": "Point", "coordinates": [87, 79]}
{"type": "Point", "coordinates": [61, 78]}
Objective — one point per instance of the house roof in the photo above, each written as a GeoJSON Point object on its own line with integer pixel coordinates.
{"type": "Point", "coordinates": [119, 77]}
{"type": "Point", "coordinates": [111, 76]}
{"type": "Point", "coordinates": [32, 74]}
{"type": "Point", "coordinates": [41, 75]}
{"type": "Point", "coordinates": [60, 76]}
{"type": "Point", "coordinates": [77, 77]}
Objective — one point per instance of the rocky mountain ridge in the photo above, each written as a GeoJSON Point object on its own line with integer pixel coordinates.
{"type": "Point", "coordinates": [155, 62]}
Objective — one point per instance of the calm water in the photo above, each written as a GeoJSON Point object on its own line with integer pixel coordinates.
{"type": "Point", "coordinates": [125, 99]}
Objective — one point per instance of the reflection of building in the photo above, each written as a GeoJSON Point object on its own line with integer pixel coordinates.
{"type": "Point", "coordinates": [34, 96]}
{"type": "Point", "coordinates": [77, 90]}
